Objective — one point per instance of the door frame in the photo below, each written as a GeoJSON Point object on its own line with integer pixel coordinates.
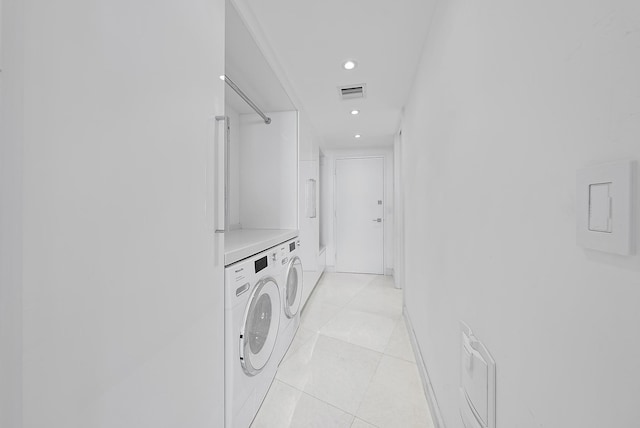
{"type": "Point", "coordinates": [398, 218]}
{"type": "Point", "coordinates": [335, 203]}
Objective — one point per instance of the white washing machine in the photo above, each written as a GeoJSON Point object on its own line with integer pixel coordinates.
{"type": "Point", "coordinates": [290, 294]}
{"type": "Point", "coordinates": [253, 316]}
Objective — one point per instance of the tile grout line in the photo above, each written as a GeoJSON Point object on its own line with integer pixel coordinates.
{"type": "Point", "coordinates": [358, 292]}
{"type": "Point", "coordinates": [349, 343]}
{"type": "Point", "coordinates": [365, 421]}
{"type": "Point", "coordinates": [401, 321]}
{"type": "Point", "coordinates": [355, 344]}
{"type": "Point", "coordinates": [371, 381]}
{"type": "Point", "coordinates": [318, 398]}
{"type": "Point", "coordinates": [369, 386]}
{"type": "Point", "coordinates": [342, 308]}
{"type": "Point", "coordinates": [364, 310]}
{"type": "Point", "coordinates": [367, 390]}
{"type": "Point", "coordinates": [287, 355]}
{"type": "Point", "coordinates": [397, 322]}
{"type": "Point", "coordinates": [381, 354]}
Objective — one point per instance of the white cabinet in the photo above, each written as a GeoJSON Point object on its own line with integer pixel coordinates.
{"type": "Point", "coordinates": [263, 157]}
{"type": "Point", "coordinates": [309, 220]}
{"type": "Point", "coordinates": [122, 280]}
{"type": "Point", "coordinates": [309, 224]}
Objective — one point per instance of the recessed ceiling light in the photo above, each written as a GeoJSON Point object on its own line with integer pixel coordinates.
{"type": "Point", "coordinates": [354, 112]}
{"type": "Point", "coordinates": [349, 65]}
{"type": "Point", "coordinates": [357, 135]}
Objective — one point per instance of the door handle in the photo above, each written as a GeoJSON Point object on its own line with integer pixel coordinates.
{"type": "Point", "coordinates": [377, 220]}
{"type": "Point", "coordinates": [220, 148]}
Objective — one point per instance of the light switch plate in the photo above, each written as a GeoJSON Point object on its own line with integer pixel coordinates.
{"type": "Point", "coordinates": [600, 203]}
{"type": "Point", "coordinates": [604, 204]}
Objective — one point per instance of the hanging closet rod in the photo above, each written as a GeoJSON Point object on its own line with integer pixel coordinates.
{"type": "Point", "coordinates": [233, 86]}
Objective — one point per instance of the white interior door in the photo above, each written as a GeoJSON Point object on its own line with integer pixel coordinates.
{"type": "Point", "coordinates": [360, 215]}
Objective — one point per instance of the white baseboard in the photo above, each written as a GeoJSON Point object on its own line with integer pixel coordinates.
{"type": "Point", "coordinates": [424, 375]}
{"type": "Point", "coordinates": [388, 271]}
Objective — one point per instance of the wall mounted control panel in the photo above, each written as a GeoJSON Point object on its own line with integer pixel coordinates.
{"type": "Point", "coordinates": [604, 205]}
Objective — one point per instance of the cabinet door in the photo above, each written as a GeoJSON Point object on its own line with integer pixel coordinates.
{"type": "Point", "coordinates": [123, 277]}
{"type": "Point", "coordinates": [308, 226]}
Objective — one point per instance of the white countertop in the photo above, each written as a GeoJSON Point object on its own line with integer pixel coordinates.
{"type": "Point", "coordinates": [242, 243]}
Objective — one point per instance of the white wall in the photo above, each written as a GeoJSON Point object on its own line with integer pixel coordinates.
{"type": "Point", "coordinates": [122, 301]}
{"type": "Point", "coordinates": [511, 98]}
{"type": "Point", "coordinates": [269, 171]}
{"type": "Point", "coordinates": [11, 145]}
{"type": "Point", "coordinates": [328, 196]}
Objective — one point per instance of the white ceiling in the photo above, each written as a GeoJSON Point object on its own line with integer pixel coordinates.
{"type": "Point", "coordinates": [310, 39]}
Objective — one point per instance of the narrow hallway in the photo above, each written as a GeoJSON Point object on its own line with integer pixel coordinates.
{"type": "Point", "coordinates": [351, 363]}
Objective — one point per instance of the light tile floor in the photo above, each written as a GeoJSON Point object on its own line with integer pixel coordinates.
{"type": "Point", "coordinates": [351, 362]}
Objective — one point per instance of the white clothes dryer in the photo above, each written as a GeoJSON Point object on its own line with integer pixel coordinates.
{"type": "Point", "coordinates": [253, 314]}
{"type": "Point", "coordinates": [291, 281]}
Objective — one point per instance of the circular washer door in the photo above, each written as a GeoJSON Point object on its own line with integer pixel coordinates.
{"type": "Point", "coordinates": [293, 287]}
{"type": "Point", "coordinates": [260, 326]}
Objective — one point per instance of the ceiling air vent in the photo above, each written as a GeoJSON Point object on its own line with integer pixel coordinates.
{"type": "Point", "coordinates": [353, 91]}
